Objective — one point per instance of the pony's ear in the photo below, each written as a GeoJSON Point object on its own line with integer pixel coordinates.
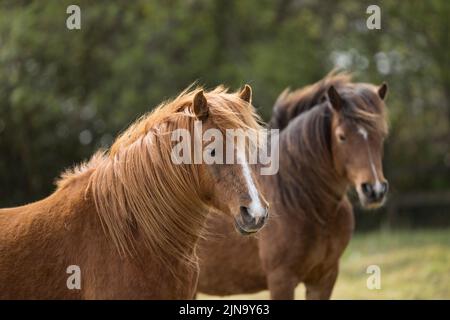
{"type": "Point", "coordinates": [334, 98]}
{"type": "Point", "coordinates": [246, 93]}
{"type": "Point", "coordinates": [382, 90]}
{"type": "Point", "coordinates": [200, 106]}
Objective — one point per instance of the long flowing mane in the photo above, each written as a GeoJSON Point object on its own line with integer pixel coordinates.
{"type": "Point", "coordinates": [304, 117]}
{"type": "Point", "coordinates": [139, 194]}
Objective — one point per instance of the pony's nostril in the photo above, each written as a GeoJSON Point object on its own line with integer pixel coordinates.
{"type": "Point", "coordinates": [375, 192]}
{"type": "Point", "coordinates": [245, 214]}
{"type": "Point", "coordinates": [385, 187]}
{"type": "Point", "coordinates": [266, 215]}
{"type": "Point", "coordinates": [367, 189]}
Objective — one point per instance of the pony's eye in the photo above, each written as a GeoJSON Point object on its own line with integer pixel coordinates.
{"type": "Point", "coordinates": [341, 137]}
{"type": "Point", "coordinates": [213, 152]}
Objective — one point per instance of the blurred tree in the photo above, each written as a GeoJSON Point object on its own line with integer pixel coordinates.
{"type": "Point", "coordinates": [65, 93]}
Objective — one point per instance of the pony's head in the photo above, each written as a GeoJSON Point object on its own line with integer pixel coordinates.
{"type": "Point", "coordinates": [229, 187]}
{"type": "Point", "coordinates": [358, 130]}
{"type": "Point", "coordinates": [142, 191]}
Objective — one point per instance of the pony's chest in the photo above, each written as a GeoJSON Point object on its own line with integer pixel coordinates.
{"type": "Point", "coordinates": [317, 245]}
{"type": "Point", "coordinates": [329, 244]}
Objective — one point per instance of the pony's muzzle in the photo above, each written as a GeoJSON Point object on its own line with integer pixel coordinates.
{"type": "Point", "coordinates": [248, 222]}
{"type": "Point", "coordinates": [375, 193]}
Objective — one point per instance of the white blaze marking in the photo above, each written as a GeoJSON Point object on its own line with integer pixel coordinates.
{"type": "Point", "coordinates": [378, 187]}
{"type": "Point", "coordinates": [256, 209]}
{"type": "Point", "coordinates": [363, 132]}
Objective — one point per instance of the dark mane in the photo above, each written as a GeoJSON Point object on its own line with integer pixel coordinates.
{"type": "Point", "coordinates": [307, 176]}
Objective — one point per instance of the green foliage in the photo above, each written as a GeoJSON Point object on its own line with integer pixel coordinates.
{"type": "Point", "coordinates": [65, 93]}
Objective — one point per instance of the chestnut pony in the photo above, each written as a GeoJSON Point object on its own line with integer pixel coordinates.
{"type": "Point", "coordinates": [331, 138]}
{"type": "Point", "coordinates": [130, 218]}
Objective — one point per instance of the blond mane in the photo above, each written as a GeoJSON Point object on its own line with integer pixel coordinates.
{"type": "Point", "coordinates": [142, 198]}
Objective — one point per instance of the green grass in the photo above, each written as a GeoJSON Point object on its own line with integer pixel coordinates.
{"type": "Point", "coordinates": [415, 264]}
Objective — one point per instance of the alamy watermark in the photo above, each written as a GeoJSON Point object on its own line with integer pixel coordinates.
{"type": "Point", "coordinates": [73, 21]}
{"type": "Point", "coordinates": [74, 280]}
{"type": "Point", "coordinates": [235, 146]}
{"type": "Point", "coordinates": [374, 20]}
{"type": "Point", "coordinates": [374, 280]}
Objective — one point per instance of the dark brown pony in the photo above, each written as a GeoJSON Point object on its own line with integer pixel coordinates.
{"type": "Point", "coordinates": [128, 221]}
{"type": "Point", "coordinates": [331, 138]}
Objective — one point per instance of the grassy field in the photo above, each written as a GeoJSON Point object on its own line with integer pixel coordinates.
{"type": "Point", "coordinates": [414, 265]}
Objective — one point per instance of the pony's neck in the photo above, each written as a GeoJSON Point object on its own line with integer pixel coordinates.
{"type": "Point", "coordinates": [144, 214]}
{"type": "Point", "coordinates": [307, 168]}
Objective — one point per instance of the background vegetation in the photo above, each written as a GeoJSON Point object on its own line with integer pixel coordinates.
{"type": "Point", "coordinates": [65, 93]}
